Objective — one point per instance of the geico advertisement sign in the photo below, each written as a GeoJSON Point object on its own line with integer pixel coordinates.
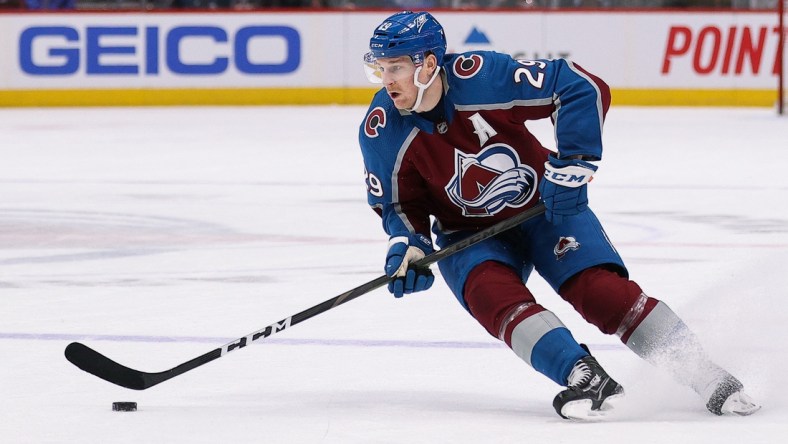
{"type": "Point", "coordinates": [165, 50]}
{"type": "Point", "coordinates": [628, 50]}
{"type": "Point", "coordinates": [131, 50]}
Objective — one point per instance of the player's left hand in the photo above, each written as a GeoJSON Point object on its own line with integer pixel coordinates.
{"type": "Point", "coordinates": [563, 187]}
{"type": "Point", "coordinates": [403, 251]}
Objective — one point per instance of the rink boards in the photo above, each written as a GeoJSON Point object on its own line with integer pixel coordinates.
{"type": "Point", "coordinates": [648, 58]}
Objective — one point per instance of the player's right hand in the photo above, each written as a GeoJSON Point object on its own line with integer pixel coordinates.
{"type": "Point", "coordinates": [403, 251]}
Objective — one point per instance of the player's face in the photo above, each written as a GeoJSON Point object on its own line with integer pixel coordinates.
{"type": "Point", "coordinates": [397, 76]}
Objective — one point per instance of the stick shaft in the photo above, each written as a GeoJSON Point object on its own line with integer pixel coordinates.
{"type": "Point", "coordinates": [99, 365]}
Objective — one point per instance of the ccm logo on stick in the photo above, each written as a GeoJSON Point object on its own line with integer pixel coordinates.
{"type": "Point", "coordinates": [264, 333]}
{"type": "Point", "coordinates": [131, 50]}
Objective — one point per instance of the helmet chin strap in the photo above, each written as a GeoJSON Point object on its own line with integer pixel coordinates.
{"type": "Point", "coordinates": [422, 86]}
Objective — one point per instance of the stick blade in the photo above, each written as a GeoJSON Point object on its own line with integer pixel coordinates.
{"type": "Point", "coordinates": [99, 365]}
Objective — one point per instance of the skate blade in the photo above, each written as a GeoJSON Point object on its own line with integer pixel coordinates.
{"type": "Point", "coordinates": [740, 404]}
{"type": "Point", "coordinates": [611, 402]}
{"type": "Point", "coordinates": [581, 410]}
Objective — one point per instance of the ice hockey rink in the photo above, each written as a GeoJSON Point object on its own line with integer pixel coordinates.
{"type": "Point", "coordinates": [155, 235]}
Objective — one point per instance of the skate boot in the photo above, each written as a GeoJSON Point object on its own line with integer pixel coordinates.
{"type": "Point", "coordinates": [729, 398]}
{"type": "Point", "coordinates": [590, 392]}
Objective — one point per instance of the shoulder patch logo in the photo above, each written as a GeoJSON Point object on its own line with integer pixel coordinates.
{"type": "Point", "coordinates": [375, 119]}
{"type": "Point", "coordinates": [467, 67]}
{"type": "Point", "coordinates": [486, 183]}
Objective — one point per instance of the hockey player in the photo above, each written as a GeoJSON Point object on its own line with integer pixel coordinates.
{"type": "Point", "coordinates": [445, 137]}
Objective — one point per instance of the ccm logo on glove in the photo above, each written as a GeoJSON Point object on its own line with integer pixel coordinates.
{"type": "Point", "coordinates": [563, 187]}
{"type": "Point", "coordinates": [572, 176]}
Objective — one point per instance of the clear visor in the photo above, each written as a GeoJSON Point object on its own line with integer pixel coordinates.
{"type": "Point", "coordinates": [388, 69]}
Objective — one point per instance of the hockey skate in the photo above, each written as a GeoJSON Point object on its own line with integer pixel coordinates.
{"type": "Point", "coordinates": [729, 399]}
{"type": "Point", "coordinates": [590, 392]}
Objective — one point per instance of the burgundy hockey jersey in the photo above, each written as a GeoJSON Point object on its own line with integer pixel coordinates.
{"type": "Point", "coordinates": [480, 165]}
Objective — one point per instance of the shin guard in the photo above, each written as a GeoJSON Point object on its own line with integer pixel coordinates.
{"type": "Point", "coordinates": [611, 302]}
{"type": "Point", "coordinates": [498, 299]}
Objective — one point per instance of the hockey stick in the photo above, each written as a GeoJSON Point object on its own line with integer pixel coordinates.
{"type": "Point", "coordinates": [99, 365]}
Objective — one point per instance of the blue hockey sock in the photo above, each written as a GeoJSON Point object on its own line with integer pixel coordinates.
{"type": "Point", "coordinates": [555, 353]}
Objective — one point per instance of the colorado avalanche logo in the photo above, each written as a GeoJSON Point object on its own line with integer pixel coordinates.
{"type": "Point", "coordinates": [467, 67]}
{"type": "Point", "coordinates": [486, 183]}
{"type": "Point", "coordinates": [564, 245]}
{"type": "Point", "coordinates": [375, 119]}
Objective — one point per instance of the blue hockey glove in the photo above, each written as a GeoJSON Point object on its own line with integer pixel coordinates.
{"type": "Point", "coordinates": [404, 250]}
{"type": "Point", "coordinates": [563, 187]}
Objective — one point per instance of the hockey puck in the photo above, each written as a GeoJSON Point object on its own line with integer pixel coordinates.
{"type": "Point", "coordinates": [124, 406]}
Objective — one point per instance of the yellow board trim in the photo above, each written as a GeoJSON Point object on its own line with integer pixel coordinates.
{"type": "Point", "coordinates": [177, 97]}
{"type": "Point", "coordinates": [341, 96]}
{"type": "Point", "coordinates": [695, 97]}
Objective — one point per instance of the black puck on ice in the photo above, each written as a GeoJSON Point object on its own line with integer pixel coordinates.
{"type": "Point", "coordinates": [124, 406]}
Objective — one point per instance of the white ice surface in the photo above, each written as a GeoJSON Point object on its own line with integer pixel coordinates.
{"type": "Point", "coordinates": [155, 235]}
